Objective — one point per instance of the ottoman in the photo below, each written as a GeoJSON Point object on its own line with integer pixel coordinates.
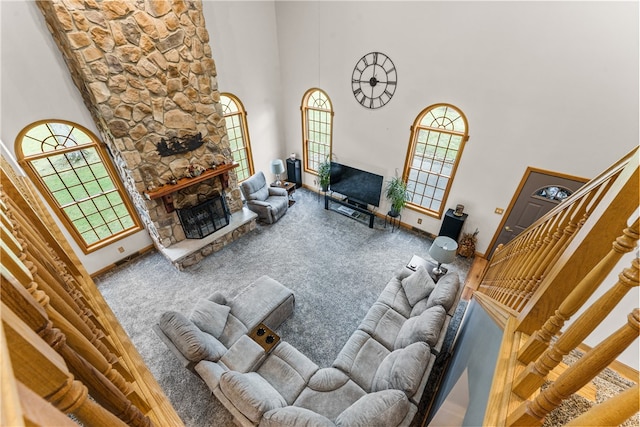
{"type": "Point", "coordinates": [264, 301]}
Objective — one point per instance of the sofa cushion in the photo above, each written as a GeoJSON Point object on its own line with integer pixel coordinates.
{"type": "Point", "coordinates": [360, 358]}
{"type": "Point", "coordinates": [251, 394]}
{"type": "Point", "coordinates": [232, 332]}
{"type": "Point", "coordinates": [394, 296]}
{"type": "Point", "coordinates": [418, 285]}
{"type": "Point", "coordinates": [330, 403]}
{"type": "Point", "coordinates": [287, 370]}
{"type": "Point", "coordinates": [383, 323]}
{"type": "Point", "coordinates": [294, 416]}
{"type": "Point", "coordinates": [384, 408]}
{"type": "Point", "coordinates": [426, 327]}
{"type": "Point", "coordinates": [403, 369]}
{"type": "Point", "coordinates": [327, 379]}
{"type": "Point", "coordinates": [445, 292]}
{"type": "Point", "coordinates": [210, 316]}
{"type": "Point", "coordinates": [419, 308]}
{"type": "Point", "coordinates": [193, 343]}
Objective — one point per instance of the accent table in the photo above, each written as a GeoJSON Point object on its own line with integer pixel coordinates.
{"type": "Point", "coordinates": [417, 261]}
{"type": "Point", "coordinates": [289, 186]}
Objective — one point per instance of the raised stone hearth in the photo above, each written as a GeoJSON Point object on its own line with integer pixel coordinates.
{"type": "Point", "coordinates": [145, 71]}
{"type": "Point", "coordinates": [191, 251]}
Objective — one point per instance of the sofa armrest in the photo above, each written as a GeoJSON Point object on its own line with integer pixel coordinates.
{"type": "Point", "coordinates": [277, 191]}
{"type": "Point", "coordinates": [258, 203]}
{"type": "Point", "coordinates": [167, 341]}
{"type": "Point", "coordinates": [218, 298]}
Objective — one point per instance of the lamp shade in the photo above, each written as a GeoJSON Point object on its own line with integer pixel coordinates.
{"type": "Point", "coordinates": [277, 167]}
{"type": "Point", "coordinates": [443, 250]}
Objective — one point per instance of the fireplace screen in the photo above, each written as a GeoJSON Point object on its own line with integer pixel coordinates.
{"type": "Point", "coordinates": [205, 218]}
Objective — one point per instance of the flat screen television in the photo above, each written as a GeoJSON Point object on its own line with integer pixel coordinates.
{"type": "Point", "coordinates": [359, 186]}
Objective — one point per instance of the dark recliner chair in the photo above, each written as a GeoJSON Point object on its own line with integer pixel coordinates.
{"type": "Point", "coordinates": [270, 203]}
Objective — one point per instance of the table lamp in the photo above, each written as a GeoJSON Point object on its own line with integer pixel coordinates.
{"type": "Point", "coordinates": [277, 167]}
{"type": "Point", "coordinates": [443, 251]}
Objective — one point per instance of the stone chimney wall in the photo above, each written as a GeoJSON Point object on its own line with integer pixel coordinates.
{"type": "Point", "coordinates": [146, 74]}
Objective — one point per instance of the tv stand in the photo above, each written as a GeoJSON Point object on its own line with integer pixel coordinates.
{"type": "Point", "coordinates": [351, 209]}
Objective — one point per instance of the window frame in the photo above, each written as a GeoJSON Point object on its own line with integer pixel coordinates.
{"type": "Point", "coordinates": [304, 108]}
{"type": "Point", "coordinates": [415, 131]}
{"type": "Point", "coordinates": [244, 128]}
{"type": "Point", "coordinates": [25, 161]}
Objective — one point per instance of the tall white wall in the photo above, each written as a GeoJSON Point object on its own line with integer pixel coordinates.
{"type": "Point", "coordinates": [36, 85]}
{"type": "Point", "coordinates": [245, 48]}
{"type": "Point", "coordinates": [553, 85]}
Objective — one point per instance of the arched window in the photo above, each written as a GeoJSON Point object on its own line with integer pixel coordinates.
{"type": "Point", "coordinates": [236, 120]}
{"type": "Point", "coordinates": [72, 170]}
{"type": "Point", "coordinates": [317, 128]}
{"type": "Point", "coordinates": [438, 136]}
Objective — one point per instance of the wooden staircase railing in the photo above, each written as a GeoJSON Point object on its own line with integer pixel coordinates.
{"type": "Point", "coordinates": [537, 282]}
{"type": "Point", "coordinates": [65, 357]}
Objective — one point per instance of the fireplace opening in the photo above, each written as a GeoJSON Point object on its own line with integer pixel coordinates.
{"type": "Point", "coordinates": [201, 220]}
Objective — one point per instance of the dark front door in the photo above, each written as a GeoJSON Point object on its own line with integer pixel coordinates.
{"type": "Point", "coordinates": [538, 193]}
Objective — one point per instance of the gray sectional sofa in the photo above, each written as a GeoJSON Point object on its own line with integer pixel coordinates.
{"type": "Point", "coordinates": [377, 378]}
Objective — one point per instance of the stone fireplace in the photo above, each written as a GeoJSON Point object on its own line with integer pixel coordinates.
{"type": "Point", "coordinates": [146, 74]}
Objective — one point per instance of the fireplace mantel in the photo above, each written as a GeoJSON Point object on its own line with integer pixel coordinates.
{"type": "Point", "coordinates": [166, 191]}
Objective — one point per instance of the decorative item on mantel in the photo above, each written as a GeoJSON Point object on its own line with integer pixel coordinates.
{"type": "Point", "coordinates": [467, 244]}
{"type": "Point", "coordinates": [194, 170]}
{"type": "Point", "coordinates": [174, 145]}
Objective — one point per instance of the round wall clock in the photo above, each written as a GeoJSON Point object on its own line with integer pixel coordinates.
{"type": "Point", "coordinates": [374, 80]}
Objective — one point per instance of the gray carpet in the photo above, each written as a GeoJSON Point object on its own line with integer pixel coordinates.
{"type": "Point", "coordinates": [335, 265]}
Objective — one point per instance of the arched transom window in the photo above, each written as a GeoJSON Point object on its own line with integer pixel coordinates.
{"type": "Point", "coordinates": [317, 128]}
{"type": "Point", "coordinates": [236, 121]}
{"type": "Point", "coordinates": [437, 138]}
{"type": "Point", "coordinates": [72, 170]}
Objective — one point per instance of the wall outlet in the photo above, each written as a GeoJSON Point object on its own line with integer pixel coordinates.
{"type": "Point", "coordinates": [499, 211]}
{"type": "Point", "coordinates": [120, 249]}
{"type": "Point", "coordinates": [419, 220]}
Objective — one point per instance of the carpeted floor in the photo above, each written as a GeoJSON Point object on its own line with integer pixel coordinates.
{"type": "Point", "coordinates": [335, 265]}
{"type": "Point", "coordinates": [607, 384]}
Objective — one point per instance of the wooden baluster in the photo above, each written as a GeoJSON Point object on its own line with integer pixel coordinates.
{"type": "Point", "coordinates": [510, 264]}
{"type": "Point", "coordinates": [69, 282]}
{"type": "Point", "coordinates": [77, 339]}
{"type": "Point", "coordinates": [107, 361]}
{"type": "Point", "coordinates": [42, 370]}
{"type": "Point", "coordinates": [518, 264]}
{"type": "Point", "coordinates": [533, 376]}
{"type": "Point", "coordinates": [553, 244]}
{"type": "Point", "coordinates": [102, 390]}
{"type": "Point", "coordinates": [59, 300]}
{"type": "Point", "coordinates": [611, 412]}
{"type": "Point", "coordinates": [501, 266]}
{"type": "Point", "coordinates": [529, 263]}
{"type": "Point", "coordinates": [38, 412]}
{"type": "Point", "coordinates": [46, 257]}
{"type": "Point", "coordinates": [532, 413]}
{"type": "Point", "coordinates": [541, 338]}
{"type": "Point", "coordinates": [35, 213]}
